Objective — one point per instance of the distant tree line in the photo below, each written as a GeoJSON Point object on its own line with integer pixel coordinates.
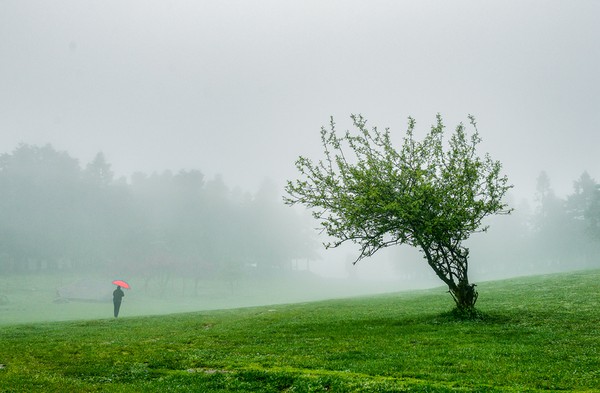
{"type": "Point", "coordinates": [567, 230]}
{"type": "Point", "coordinates": [551, 235]}
{"type": "Point", "coordinates": [56, 215]}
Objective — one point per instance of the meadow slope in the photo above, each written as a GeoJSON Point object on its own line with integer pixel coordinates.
{"type": "Point", "coordinates": [540, 334]}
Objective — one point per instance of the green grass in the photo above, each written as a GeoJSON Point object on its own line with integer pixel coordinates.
{"type": "Point", "coordinates": [539, 334]}
{"type": "Point", "coordinates": [30, 298]}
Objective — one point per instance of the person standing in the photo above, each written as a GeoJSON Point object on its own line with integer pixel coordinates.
{"type": "Point", "coordinates": [117, 297]}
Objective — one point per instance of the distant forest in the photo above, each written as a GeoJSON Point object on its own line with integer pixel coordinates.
{"type": "Point", "coordinates": [554, 234]}
{"type": "Point", "coordinates": [56, 215]}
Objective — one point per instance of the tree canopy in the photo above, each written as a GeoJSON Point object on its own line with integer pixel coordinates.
{"type": "Point", "coordinates": [428, 194]}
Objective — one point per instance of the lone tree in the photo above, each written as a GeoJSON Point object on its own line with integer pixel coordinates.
{"type": "Point", "coordinates": [428, 194]}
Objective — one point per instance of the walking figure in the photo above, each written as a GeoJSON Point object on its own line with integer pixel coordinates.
{"type": "Point", "coordinates": [117, 297]}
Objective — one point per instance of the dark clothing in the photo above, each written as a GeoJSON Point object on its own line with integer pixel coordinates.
{"type": "Point", "coordinates": [117, 297]}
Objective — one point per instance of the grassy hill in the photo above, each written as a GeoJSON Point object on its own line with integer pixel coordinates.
{"type": "Point", "coordinates": [540, 333]}
{"type": "Point", "coordinates": [34, 298]}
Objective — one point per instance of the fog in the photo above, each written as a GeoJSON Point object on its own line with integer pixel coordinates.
{"type": "Point", "coordinates": [224, 95]}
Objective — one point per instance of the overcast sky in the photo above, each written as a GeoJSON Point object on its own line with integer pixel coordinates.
{"type": "Point", "coordinates": [241, 88]}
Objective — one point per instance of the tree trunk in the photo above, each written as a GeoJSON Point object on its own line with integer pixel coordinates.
{"type": "Point", "coordinates": [450, 264]}
{"type": "Point", "coordinates": [464, 295]}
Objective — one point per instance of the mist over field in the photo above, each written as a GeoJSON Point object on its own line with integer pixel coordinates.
{"type": "Point", "coordinates": [151, 141]}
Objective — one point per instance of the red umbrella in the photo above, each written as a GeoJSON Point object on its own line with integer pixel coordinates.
{"type": "Point", "coordinates": [121, 283]}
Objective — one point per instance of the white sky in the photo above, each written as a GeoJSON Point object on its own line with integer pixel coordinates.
{"type": "Point", "coordinates": [241, 88]}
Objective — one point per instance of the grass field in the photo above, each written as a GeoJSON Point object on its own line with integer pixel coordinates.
{"type": "Point", "coordinates": [539, 334]}
{"type": "Point", "coordinates": [30, 298]}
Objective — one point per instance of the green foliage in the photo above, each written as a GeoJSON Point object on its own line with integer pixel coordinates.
{"type": "Point", "coordinates": [539, 333]}
{"type": "Point", "coordinates": [425, 194]}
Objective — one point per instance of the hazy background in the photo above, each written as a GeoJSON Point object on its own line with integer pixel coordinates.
{"type": "Point", "coordinates": [241, 88]}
